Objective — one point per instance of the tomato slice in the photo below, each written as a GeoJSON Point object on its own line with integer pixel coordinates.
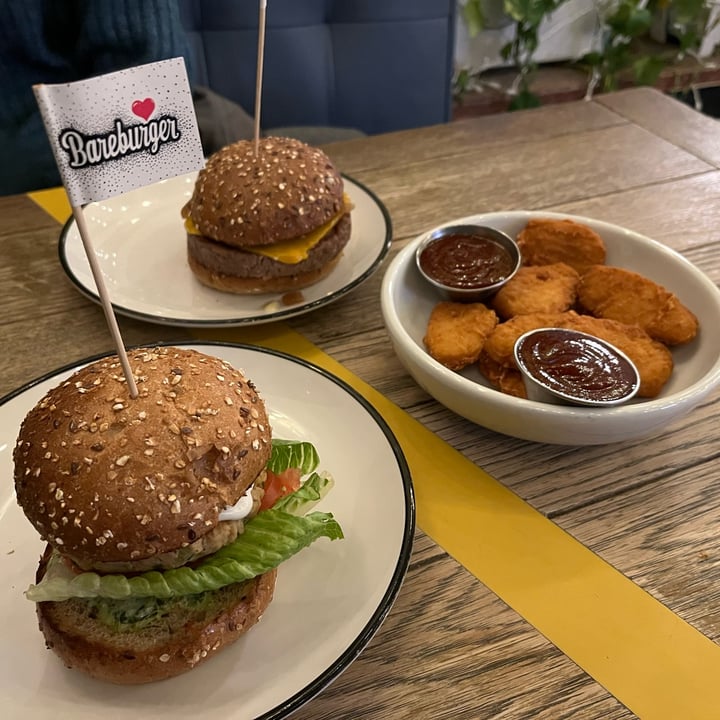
{"type": "Point", "coordinates": [278, 485]}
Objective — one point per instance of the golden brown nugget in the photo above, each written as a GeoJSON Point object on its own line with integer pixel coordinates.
{"type": "Point", "coordinates": [626, 296]}
{"type": "Point", "coordinates": [456, 332]}
{"type": "Point", "coordinates": [507, 380]}
{"type": "Point", "coordinates": [500, 344]}
{"type": "Point", "coordinates": [545, 241]}
{"type": "Point", "coordinates": [653, 360]}
{"type": "Point", "coordinates": [537, 288]}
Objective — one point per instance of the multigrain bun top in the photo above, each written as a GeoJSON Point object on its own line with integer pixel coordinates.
{"type": "Point", "coordinates": [107, 478]}
{"type": "Point", "coordinates": [286, 191]}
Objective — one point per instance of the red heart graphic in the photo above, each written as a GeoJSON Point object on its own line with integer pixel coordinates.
{"type": "Point", "coordinates": [144, 108]}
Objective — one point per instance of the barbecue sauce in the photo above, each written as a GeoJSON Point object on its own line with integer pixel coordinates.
{"type": "Point", "coordinates": [576, 365]}
{"type": "Point", "coordinates": [466, 261]}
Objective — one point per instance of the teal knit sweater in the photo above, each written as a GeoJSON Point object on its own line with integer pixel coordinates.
{"type": "Point", "coordinates": [57, 41]}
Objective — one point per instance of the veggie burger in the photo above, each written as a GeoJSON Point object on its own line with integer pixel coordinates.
{"type": "Point", "coordinates": [272, 221]}
{"type": "Point", "coordinates": [165, 516]}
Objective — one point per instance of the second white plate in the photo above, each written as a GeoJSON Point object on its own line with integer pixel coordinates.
{"type": "Point", "coordinates": [140, 242]}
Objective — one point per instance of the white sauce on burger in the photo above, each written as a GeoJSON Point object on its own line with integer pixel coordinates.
{"type": "Point", "coordinates": [241, 509]}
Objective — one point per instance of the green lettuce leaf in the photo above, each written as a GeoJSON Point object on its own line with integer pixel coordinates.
{"type": "Point", "coordinates": [309, 494]}
{"type": "Point", "coordinates": [269, 539]}
{"type": "Point", "coordinates": [293, 454]}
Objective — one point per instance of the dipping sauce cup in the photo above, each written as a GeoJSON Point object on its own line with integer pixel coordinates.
{"type": "Point", "coordinates": [468, 262]}
{"type": "Point", "coordinates": [568, 366]}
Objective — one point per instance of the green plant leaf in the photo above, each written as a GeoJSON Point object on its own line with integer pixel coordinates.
{"type": "Point", "coordinates": [689, 12]}
{"type": "Point", "coordinates": [473, 16]}
{"type": "Point", "coordinates": [461, 85]}
{"type": "Point", "coordinates": [530, 12]}
{"type": "Point", "coordinates": [647, 69]}
{"type": "Point", "coordinates": [689, 38]}
{"type": "Point", "coordinates": [629, 20]}
{"type": "Point", "coordinates": [524, 100]}
{"type": "Point", "coordinates": [593, 59]}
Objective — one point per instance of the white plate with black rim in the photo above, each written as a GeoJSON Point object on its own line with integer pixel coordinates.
{"type": "Point", "coordinates": [140, 243]}
{"type": "Point", "coordinates": [330, 599]}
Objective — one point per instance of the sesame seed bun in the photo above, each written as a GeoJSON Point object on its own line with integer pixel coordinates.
{"type": "Point", "coordinates": [286, 191]}
{"type": "Point", "coordinates": [109, 479]}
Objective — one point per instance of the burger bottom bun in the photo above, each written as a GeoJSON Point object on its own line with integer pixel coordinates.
{"type": "Point", "coordinates": [187, 636]}
{"type": "Point", "coordinates": [238, 271]}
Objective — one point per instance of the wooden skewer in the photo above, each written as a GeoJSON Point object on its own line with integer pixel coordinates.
{"type": "Point", "coordinates": [105, 299]}
{"type": "Point", "coordinates": [259, 72]}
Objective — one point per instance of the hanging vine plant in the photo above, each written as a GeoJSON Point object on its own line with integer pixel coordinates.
{"type": "Point", "coordinates": [620, 57]}
{"type": "Point", "coordinates": [520, 51]}
{"type": "Point", "coordinates": [622, 22]}
{"type": "Point", "coordinates": [527, 16]}
{"type": "Point", "coordinates": [625, 22]}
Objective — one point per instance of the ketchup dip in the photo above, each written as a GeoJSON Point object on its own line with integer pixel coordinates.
{"type": "Point", "coordinates": [468, 261]}
{"type": "Point", "coordinates": [575, 367]}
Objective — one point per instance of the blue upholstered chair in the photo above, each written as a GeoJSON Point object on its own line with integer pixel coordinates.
{"type": "Point", "coordinates": [372, 65]}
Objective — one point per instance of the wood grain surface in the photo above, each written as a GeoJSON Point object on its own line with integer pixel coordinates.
{"type": "Point", "coordinates": [450, 648]}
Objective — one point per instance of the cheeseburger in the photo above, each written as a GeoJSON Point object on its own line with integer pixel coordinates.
{"type": "Point", "coordinates": [165, 516]}
{"type": "Point", "coordinates": [272, 221]}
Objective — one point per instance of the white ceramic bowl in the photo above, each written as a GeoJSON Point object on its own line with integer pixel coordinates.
{"type": "Point", "coordinates": [407, 299]}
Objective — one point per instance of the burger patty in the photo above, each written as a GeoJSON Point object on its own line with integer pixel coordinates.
{"type": "Point", "coordinates": [222, 534]}
{"type": "Point", "coordinates": [227, 260]}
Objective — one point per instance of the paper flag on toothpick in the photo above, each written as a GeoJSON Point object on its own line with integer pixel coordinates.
{"type": "Point", "coordinates": [122, 130]}
{"type": "Point", "coordinates": [116, 132]}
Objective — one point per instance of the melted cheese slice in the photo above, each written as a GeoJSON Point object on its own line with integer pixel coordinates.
{"type": "Point", "coordinates": [292, 251]}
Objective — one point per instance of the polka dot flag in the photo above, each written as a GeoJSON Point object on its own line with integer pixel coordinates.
{"type": "Point", "coordinates": [122, 130]}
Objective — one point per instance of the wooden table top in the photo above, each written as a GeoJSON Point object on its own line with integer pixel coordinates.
{"type": "Point", "coordinates": [451, 647]}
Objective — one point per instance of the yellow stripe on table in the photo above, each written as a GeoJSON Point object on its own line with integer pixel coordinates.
{"type": "Point", "coordinates": [646, 656]}
{"type": "Point", "coordinates": [54, 202]}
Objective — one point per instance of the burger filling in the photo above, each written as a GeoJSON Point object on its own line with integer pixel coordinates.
{"type": "Point", "coordinates": [289, 252]}
{"type": "Point", "coordinates": [161, 615]}
{"type": "Point", "coordinates": [236, 262]}
{"type": "Point", "coordinates": [274, 534]}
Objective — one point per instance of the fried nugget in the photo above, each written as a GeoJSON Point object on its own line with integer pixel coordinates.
{"type": "Point", "coordinates": [456, 332]}
{"type": "Point", "coordinates": [537, 288]}
{"type": "Point", "coordinates": [507, 380]}
{"type": "Point", "coordinates": [624, 295]}
{"type": "Point", "coordinates": [545, 241]}
{"type": "Point", "coordinates": [500, 344]}
{"type": "Point", "coordinates": [653, 359]}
